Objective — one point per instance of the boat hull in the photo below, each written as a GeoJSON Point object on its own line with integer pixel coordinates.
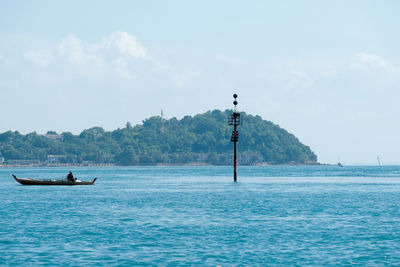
{"type": "Point", "coordinates": [30, 181]}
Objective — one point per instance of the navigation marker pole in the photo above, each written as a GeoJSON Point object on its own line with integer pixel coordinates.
{"type": "Point", "coordinates": [234, 119]}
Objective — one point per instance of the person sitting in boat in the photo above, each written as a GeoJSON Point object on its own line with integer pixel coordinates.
{"type": "Point", "coordinates": [71, 177]}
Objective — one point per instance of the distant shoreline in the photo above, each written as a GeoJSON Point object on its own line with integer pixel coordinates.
{"type": "Point", "coordinates": [192, 164]}
{"type": "Point", "coordinates": [54, 165]}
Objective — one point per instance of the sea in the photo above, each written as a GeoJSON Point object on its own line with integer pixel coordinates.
{"type": "Point", "coordinates": [197, 216]}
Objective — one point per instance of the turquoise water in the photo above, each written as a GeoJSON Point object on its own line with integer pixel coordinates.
{"type": "Point", "coordinates": [304, 215]}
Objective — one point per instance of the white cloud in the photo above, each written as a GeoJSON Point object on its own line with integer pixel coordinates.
{"type": "Point", "coordinates": [114, 54]}
{"type": "Point", "coordinates": [72, 47]}
{"type": "Point", "coordinates": [128, 45]}
{"type": "Point", "coordinates": [121, 68]}
{"type": "Point", "coordinates": [374, 62]}
{"type": "Point", "coordinates": [41, 58]}
{"type": "Point", "coordinates": [119, 43]}
{"type": "Point", "coordinates": [330, 73]}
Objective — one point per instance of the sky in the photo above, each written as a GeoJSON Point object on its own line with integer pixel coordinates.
{"type": "Point", "coordinates": [326, 71]}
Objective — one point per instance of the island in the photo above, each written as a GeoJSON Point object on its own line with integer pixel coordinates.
{"type": "Point", "coordinates": [202, 139]}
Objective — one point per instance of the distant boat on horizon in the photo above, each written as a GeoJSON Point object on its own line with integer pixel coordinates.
{"type": "Point", "coordinates": [379, 162]}
{"type": "Point", "coordinates": [338, 162]}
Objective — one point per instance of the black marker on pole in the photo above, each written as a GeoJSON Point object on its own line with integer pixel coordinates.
{"type": "Point", "coordinates": [234, 119]}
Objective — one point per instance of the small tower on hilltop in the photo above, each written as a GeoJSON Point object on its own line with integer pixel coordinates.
{"type": "Point", "coordinates": [234, 119]}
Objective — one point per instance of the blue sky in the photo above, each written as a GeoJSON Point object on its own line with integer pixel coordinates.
{"type": "Point", "coordinates": [327, 71]}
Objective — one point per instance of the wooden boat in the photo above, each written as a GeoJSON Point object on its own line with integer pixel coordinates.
{"type": "Point", "coordinates": [31, 181]}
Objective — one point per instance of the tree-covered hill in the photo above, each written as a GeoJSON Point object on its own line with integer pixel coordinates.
{"type": "Point", "coordinates": [203, 138]}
